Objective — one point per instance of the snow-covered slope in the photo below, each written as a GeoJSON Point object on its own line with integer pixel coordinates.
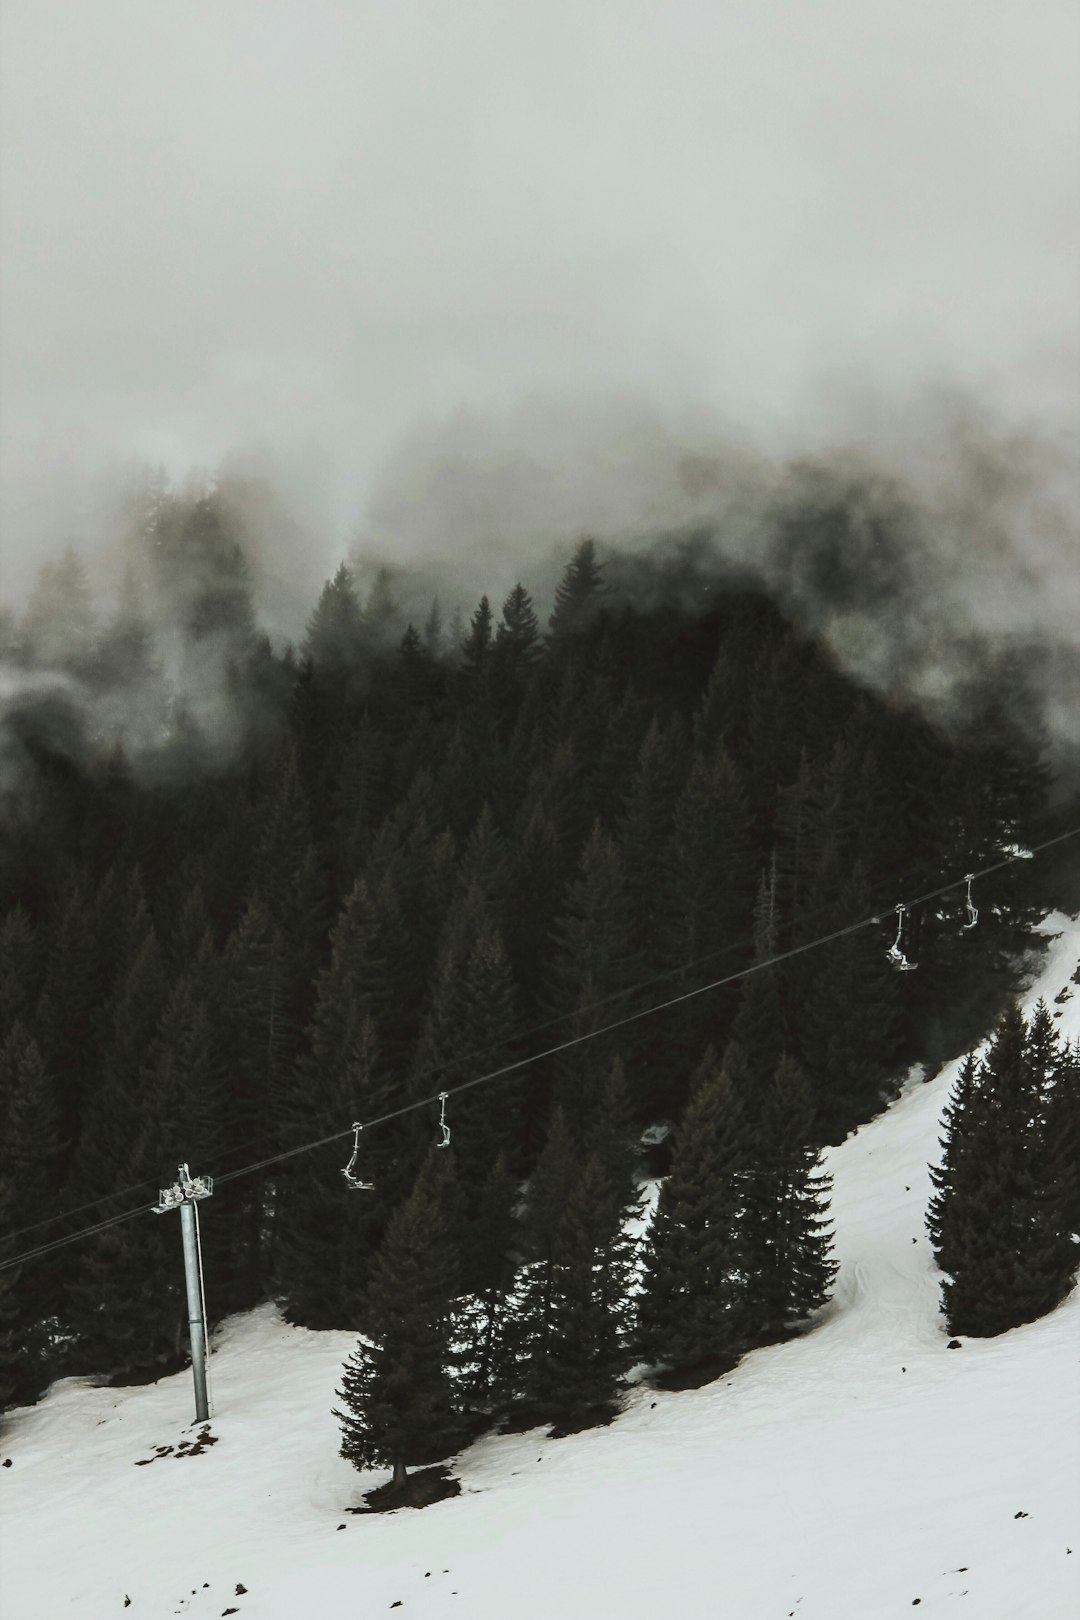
{"type": "Point", "coordinates": [854, 1475]}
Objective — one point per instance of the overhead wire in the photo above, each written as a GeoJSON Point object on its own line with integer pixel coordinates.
{"type": "Point", "coordinates": [720, 951]}
{"type": "Point", "coordinates": [872, 920]}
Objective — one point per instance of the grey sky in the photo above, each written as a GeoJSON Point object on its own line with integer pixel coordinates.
{"type": "Point", "coordinates": [325, 226]}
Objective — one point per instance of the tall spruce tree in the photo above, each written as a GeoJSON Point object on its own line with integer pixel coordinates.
{"type": "Point", "coordinates": [574, 1310]}
{"type": "Point", "coordinates": [594, 958]}
{"type": "Point", "coordinates": [396, 1388]}
{"type": "Point", "coordinates": [517, 636]}
{"type": "Point", "coordinates": [692, 1305]}
{"type": "Point", "coordinates": [570, 1339]}
{"type": "Point", "coordinates": [1062, 1131]}
{"type": "Point", "coordinates": [786, 1251]}
{"type": "Point", "coordinates": [489, 1265]}
{"type": "Point", "coordinates": [996, 1220]}
{"type": "Point", "coordinates": [334, 637]}
{"type": "Point", "coordinates": [576, 595]}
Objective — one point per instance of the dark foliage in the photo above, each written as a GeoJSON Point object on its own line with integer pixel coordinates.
{"type": "Point", "coordinates": [308, 890]}
{"type": "Point", "coordinates": [1003, 1214]}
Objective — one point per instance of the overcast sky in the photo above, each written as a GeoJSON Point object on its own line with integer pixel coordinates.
{"type": "Point", "coordinates": [324, 227]}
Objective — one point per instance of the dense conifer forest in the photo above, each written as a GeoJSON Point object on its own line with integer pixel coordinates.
{"type": "Point", "coordinates": [293, 888]}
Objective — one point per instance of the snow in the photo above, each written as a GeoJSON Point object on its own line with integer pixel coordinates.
{"type": "Point", "coordinates": [852, 1475]}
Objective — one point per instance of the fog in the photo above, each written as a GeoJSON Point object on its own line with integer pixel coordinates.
{"type": "Point", "coordinates": [457, 281]}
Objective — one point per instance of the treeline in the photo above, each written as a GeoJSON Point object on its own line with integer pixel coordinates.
{"type": "Point", "coordinates": [346, 878]}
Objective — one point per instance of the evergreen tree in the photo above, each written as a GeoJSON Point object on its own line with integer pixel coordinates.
{"type": "Point", "coordinates": [322, 1231]}
{"type": "Point", "coordinates": [574, 1335]}
{"type": "Point", "coordinates": [334, 637]}
{"type": "Point", "coordinates": [489, 1267]}
{"type": "Point", "coordinates": [478, 643]}
{"type": "Point", "coordinates": [467, 1029]}
{"type": "Point", "coordinates": [434, 639]}
{"type": "Point", "coordinates": [201, 581]}
{"type": "Point", "coordinates": [517, 637]}
{"type": "Point", "coordinates": [577, 595]}
{"type": "Point", "coordinates": [569, 1337]}
{"type": "Point", "coordinates": [760, 1026]}
{"type": "Point", "coordinates": [125, 652]}
{"type": "Point", "coordinates": [260, 1036]}
{"type": "Point", "coordinates": [537, 870]}
{"type": "Point", "coordinates": [381, 611]}
{"type": "Point", "coordinates": [708, 864]}
{"type": "Point", "coordinates": [70, 993]}
{"type": "Point", "coordinates": [997, 1222]}
{"type": "Point", "coordinates": [1062, 1135]}
{"type": "Point", "coordinates": [594, 958]}
{"type": "Point", "coordinates": [396, 1389]}
{"type": "Point", "coordinates": [692, 1306]}
{"type": "Point", "coordinates": [643, 830]}
{"type": "Point", "coordinates": [786, 1240]}
{"type": "Point", "coordinates": [847, 1010]}
{"type": "Point", "coordinates": [59, 626]}
{"type": "Point", "coordinates": [418, 675]}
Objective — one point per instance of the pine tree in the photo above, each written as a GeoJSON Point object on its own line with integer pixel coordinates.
{"type": "Point", "coordinates": [59, 624]}
{"type": "Point", "coordinates": [467, 1029]}
{"type": "Point", "coordinates": [537, 872]}
{"type": "Point", "coordinates": [489, 1266]}
{"type": "Point", "coordinates": [125, 655]}
{"type": "Point", "coordinates": [846, 1012]}
{"type": "Point", "coordinates": [786, 1244]}
{"type": "Point", "coordinates": [417, 672]}
{"type": "Point", "coordinates": [396, 1388]}
{"type": "Point", "coordinates": [478, 643]}
{"type": "Point", "coordinates": [70, 993]}
{"type": "Point", "coordinates": [643, 830]}
{"type": "Point", "coordinates": [569, 1339]}
{"type": "Point", "coordinates": [517, 636]}
{"type": "Point", "coordinates": [708, 863]}
{"type": "Point", "coordinates": [692, 1306]}
{"type": "Point", "coordinates": [594, 958]}
{"type": "Point", "coordinates": [1062, 1137]}
{"type": "Point", "coordinates": [577, 595]}
{"type": "Point", "coordinates": [434, 636]}
{"type": "Point", "coordinates": [997, 1222]}
{"type": "Point", "coordinates": [322, 1231]}
{"type": "Point", "coordinates": [760, 1026]}
{"type": "Point", "coordinates": [381, 611]}
{"type": "Point", "coordinates": [260, 1036]}
{"type": "Point", "coordinates": [334, 638]}
{"type": "Point", "coordinates": [574, 1312]}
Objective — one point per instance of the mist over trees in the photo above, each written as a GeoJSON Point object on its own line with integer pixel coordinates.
{"type": "Point", "coordinates": [250, 894]}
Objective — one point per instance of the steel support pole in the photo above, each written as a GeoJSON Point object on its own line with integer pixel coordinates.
{"type": "Point", "coordinates": [196, 1324]}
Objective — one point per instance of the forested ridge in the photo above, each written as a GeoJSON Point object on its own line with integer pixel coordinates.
{"type": "Point", "coordinates": [352, 875]}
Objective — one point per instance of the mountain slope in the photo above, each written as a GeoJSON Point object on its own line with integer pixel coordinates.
{"type": "Point", "coordinates": [853, 1475]}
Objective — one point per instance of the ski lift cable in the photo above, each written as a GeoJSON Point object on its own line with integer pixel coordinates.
{"type": "Point", "coordinates": [645, 1012]}
{"type": "Point", "coordinates": [238, 1148]}
{"type": "Point", "coordinates": [684, 967]}
{"type": "Point", "coordinates": [9, 1263]}
{"type": "Point", "coordinates": [874, 920]}
{"type": "Point", "coordinates": [79, 1209]}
